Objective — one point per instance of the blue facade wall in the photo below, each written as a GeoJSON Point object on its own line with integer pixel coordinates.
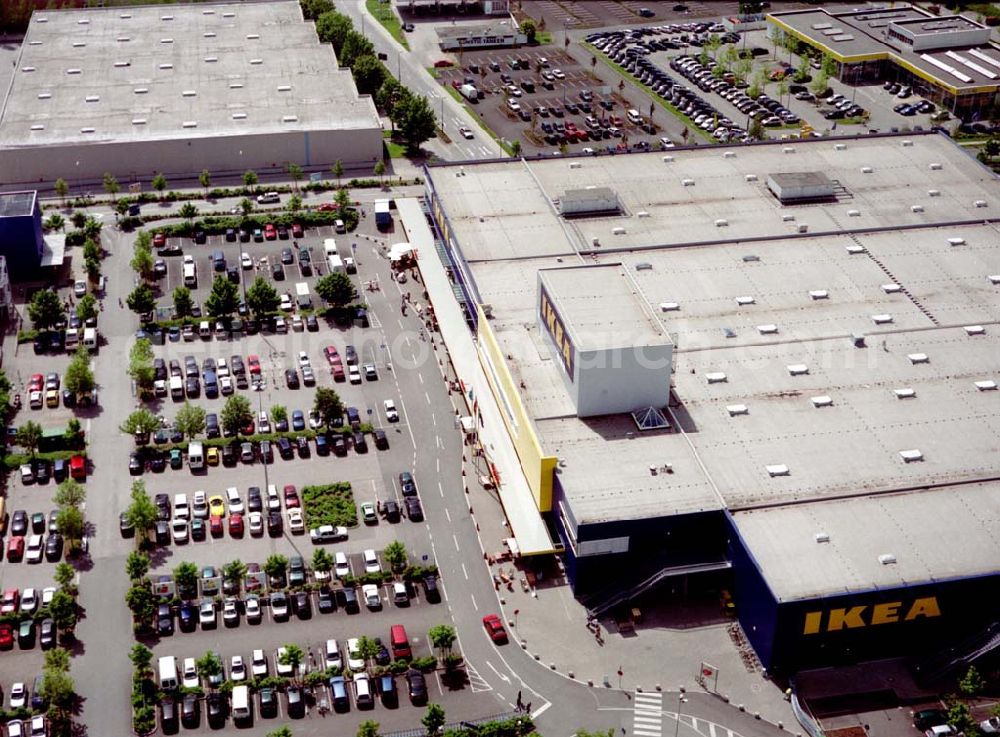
{"type": "Point", "coordinates": [21, 243]}
{"type": "Point", "coordinates": [756, 606]}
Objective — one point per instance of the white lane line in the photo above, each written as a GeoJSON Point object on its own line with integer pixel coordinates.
{"type": "Point", "coordinates": [455, 538]}
{"type": "Point", "coordinates": [646, 732]}
{"type": "Point", "coordinates": [440, 489]}
{"type": "Point", "coordinates": [437, 464]}
{"type": "Point", "coordinates": [448, 515]}
{"type": "Point", "coordinates": [711, 729]}
{"type": "Point", "coordinates": [474, 604]}
{"type": "Point", "coordinates": [464, 571]}
{"type": "Point", "coordinates": [427, 397]}
{"type": "Point", "coordinates": [421, 377]}
{"type": "Point", "coordinates": [541, 710]}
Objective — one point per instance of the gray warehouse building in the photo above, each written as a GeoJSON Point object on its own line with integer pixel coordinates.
{"type": "Point", "coordinates": [177, 89]}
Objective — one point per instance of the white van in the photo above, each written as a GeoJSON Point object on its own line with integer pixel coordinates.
{"type": "Point", "coordinates": [72, 339]}
{"type": "Point", "coordinates": [330, 247]}
{"type": "Point", "coordinates": [190, 271]}
{"type": "Point", "coordinates": [335, 264]}
{"type": "Point", "coordinates": [176, 388]}
{"type": "Point", "coordinates": [205, 330]}
{"type": "Point", "coordinates": [196, 455]}
{"type": "Point", "coordinates": [168, 673]}
{"type": "Point", "coordinates": [181, 508]}
{"type": "Point", "coordinates": [90, 339]}
{"type": "Point", "coordinates": [241, 702]}
{"type": "Point", "coordinates": [303, 298]}
{"type": "Point", "coordinates": [268, 198]}
{"type": "Point", "coordinates": [634, 116]}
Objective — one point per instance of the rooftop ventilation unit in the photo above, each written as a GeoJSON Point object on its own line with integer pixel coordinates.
{"type": "Point", "coordinates": [904, 393]}
{"type": "Point", "coordinates": [669, 306]}
{"type": "Point", "coordinates": [797, 369]}
{"type": "Point", "coordinates": [229, 15]}
{"type": "Point", "coordinates": [721, 223]}
{"type": "Point", "coordinates": [211, 59]}
{"type": "Point", "coordinates": [891, 288]}
{"type": "Point", "coordinates": [767, 329]}
{"type": "Point", "coordinates": [618, 230]}
{"type": "Point", "coordinates": [256, 61]}
{"type": "Point", "coordinates": [779, 469]}
{"type": "Point", "coordinates": [907, 142]}
{"type": "Point", "coordinates": [821, 537]}
{"type": "Point", "coordinates": [288, 88]}
{"type": "Point", "coordinates": [643, 266]}
{"type": "Point", "coordinates": [687, 182]}
{"type": "Point", "coordinates": [38, 127]}
{"type": "Point", "coordinates": [253, 36]}
{"type": "Point", "coordinates": [822, 401]}
{"type": "Point", "coordinates": [750, 177]}
{"type": "Point", "coordinates": [916, 358]}
{"type": "Point", "coordinates": [909, 456]}
{"type": "Point", "coordinates": [166, 40]}
{"type": "Point", "coordinates": [122, 64]}
{"type": "Point", "coordinates": [125, 16]}
{"type": "Point", "coordinates": [208, 34]}
{"type": "Point", "coordinates": [956, 241]}
{"type": "Point", "coordinates": [788, 150]}
{"type": "Point", "coordinates": [208, 12]}
{"type": "Point", "coordinates": [866, 170]}
{"type": "Point", "coordinates": [994, 278]}
{"type": "Point", "coordinates": [840, 147]}
{"type": "Point", "coordinates": [44, 95]}
{"type": "Point", "coordinates": [854, 213]}
{"type": "Point", "coordinates": [73, 71]}
{"type": "Point", "coordinates": [239, 116]}
{"type": "Point", "coordinates": [668, 159]}
{"type": "Point", "coordinates": [235, 85]}
{"type": "Point", "coordinates": [166, 66]}
{"type": "Point", "coordinates": [588, 202]}
{"type": "Point", "coordinates": [729, 154]}
{"type": "Point", "coordinates": [803, 186]}
{"type": "Point", "coordinates": [935, 167]}
{"type": "Point", "coordinates": [916, 208]}
{"type": "Point", "coordinates": [787, 218]}
{"type": "Point", "coordinates": [975, 330]}
{"type": "Point", "coordinates": [86, 130]}
{"type": "Point", "coordinates": [743, 301]}
{"type": "Point", "coordinates": [189, 93]}
{"type": "Point", "coordinates": [572, 164]}
{"type": "Point", "coordinates": [753, 258]}
{"type": "Point", "coordinates": [642, 214]}
{"type": "Point", "coordinates": [166, 17]}
{"type": "Point", "coordinates": [141, 90]}
{"type": "Point", "coordinates": [189, 124]}
{"type": "Point", "coordinates": [715, 377]}
{"type": "Point", "coordinates": [933, 192]}
{"type": "Point", "coordinates": [855, 249]}
{"type": "Point", "coordinates": [980, 203]}
{"type": "Point", "coordinates": [123, 39]}
{"type": "Point", "coordinates": [986, 385]}
{"type": "Point", "coordinates": [803, 228]}
{"type": "Point", "coordinates": [92, 98]}
{"type": "Point", "coordinates": [887, 559]}
{"type": "Point", "coordinates": [819, 294]}
{"type": "Point", "coordinates": [78, 44]}
{"type": "Point", "coordinates": [138, 121]}
{"type": "Point", "coordinates": [882, 319]}
{"type": "Point", "coordinates": [737, 409]}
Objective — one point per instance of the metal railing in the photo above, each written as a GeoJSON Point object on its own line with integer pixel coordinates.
{"type": "Point", "coordinates": [463, 724]}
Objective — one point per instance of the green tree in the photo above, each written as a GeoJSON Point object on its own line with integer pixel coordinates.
{"type": "Point", "coordinates": [342, 198]}
{"type": "Point", "coordinates": [205, 179]}
{"type": "Point", "coordinates": [142, 300]}
{"type": "Point", "coordinates": [292, 656]}
{"type": "Point", "coordinates": [972, 683]}
{"type": "Point", "coordinates": [28, 436]}
{"type": "Point", "coordinates": [433, 720]}
{"type": "Point", "coordinates": [368, 728]}
{"type": "Point", "coordinates": [208, 666]}
{"type": "Point", "coordinates": [142, 261]}
{"type": "Point", "coordinates": [110, 184]}
{"type": "Point", "coordinates": [62, 189]}
{"type": "Point", "coordinates": [78, 219]}
{"type": "Point", "coordinates": [121, 206]}
{"type": "Point", "coordinates": [235, 571]}
{"type": "Point", "coordinates": [828, 66]}
{"type": "Point", "coordinates": [223, 299]}
{"type": "Point", "coordinates": [294, 203]}
{"type": "Point", "coordinates": [183, 303]}
{"type": "Point", "coordinates": [515, 148]}
{"type": "Point", "coordinates": [57, 659]}
{"type": "Point", "coordinates": [282, 731]}
{"type": "Point", "coordinates": [86, 308]}
{"type": "Point", "coordinates": [65, 577]}
{"type": "Point", "coordinates": [379, 169]}
{"type": "Point", "coordinates": [336, 289]}
{"type": "Point", "coordinates": [756, 130]}
{"type": "Point", "coordinates": [960, 718]}
{"type": "Point", "coordinates": [141, 602]}
{"type": "Point", "coordinates": [79, 378]}
{"type": "Point", "coordinates": [141, 512]}
{"type": "Point", "coordinates": [278, 413]}
{"type": "Point", "coordinates": [262, 297]}
{"type": "Point", "coordinates": [63, 611]}
{"type": "Point", "coordinates": [328, 405]}
{"type": "Point", "coordinates": [355, 46]}
{"type": "Point", "coordinates": [92, 227]}
{"type": "Point", "coordinates": [73, 434]}
{"type": "Point", "coordinates": [819, 84]}
{"type": "Point", "coordinates": [529, 29]}
{"type": "Point", "coordinates": [395, 555]}
{"type": "Point", "coordinates": [338, 170]}
{"type": "Point", "coordinates": [236, 413]}
{"type": "Point", "coordinates": [276, 565]}
{"type": "Point", "coordinates": [322, 561]}
{"type": "Point", "coordinates": [295, 173]}
{"type": "Point", "coordinates": [415, 119]}
{"type": "Point", "coordinates": [246, 204]}
{"type": "Point", "coordinates": [57, 687]}
{"type": "Point", "coordinates": [442, 636]}
{"type": "Point", "coordinates": [188, 211]}
{"type": "Point", "coordinates": [312, 9]}
{"type": "Point", "coordinates": [369, 74]}
{"type": "Point", "coordinates": [136, 565]}
{"type": "Point", "coordinates": [140, 421]}
{"type": "Point", "coordinates": [992, 147]}
{"type": "Point", "coordinates": [159, 182]}
{"type": "Point", "coordinates": [332, 28]}
{"type": "Point", "coordinates": [45, 310]}
{"type": "Point", "coordinates": [55, 222]}
{"type": "Point", "coordinates": [71, 523]}
{"type": "Point", "coordinates": [250, 179]}
{"type": "Point", "coordinates": [186, 578]}
{"type": "Point", "coordinates": [367, 648]}
{"type": "Point", "coordinates": [141, 657]}
{"type": "Point", "coordinates": [190, 420]}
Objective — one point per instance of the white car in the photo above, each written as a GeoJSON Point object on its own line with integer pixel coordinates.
{"type": "Point", "coordinates": [190, 674]}
{"type": "Point", "coordinates": [331, 656]}
{"type": "Point", "coordinates": [315, 421]}
{"type": "Point", "coordinates": [280, 326]}
{"type": "Point", "coordinates": [15, 728]}
{"type": "Point", "coordinates": [354, 659]}
{"type": "Point", "coordinates": [181, 508]}
{"type": "Point", "coordinates": [38, 727]}
{"type": "Point", "coordinates": [47, 593]}
{"type": "Point", "coordinates": [304, 359]}
{"type": "Point", "coordinates": [237, 669]}
{"type": "Point", "coordinates": [199, 505]}
{"type": "Point", "coordinates": [251, 607]}
{"type": "Point", "coordinates": [221, 367]}
{"type": "Point", "coordinates": [354, 374]}
{"type": "Point", "coordinates": [341, 566]}
{"type": "Point", "coordinates": [391, 413]}
{"type": "Point", "coordinates": [258, 664]}
{"type": "Point", "coordinates": [466, 133]}
{"type": "Point", "coordinates": [283, 670]}
{"type": "Point", "coordinates": [371, 562]}
{"type": "Point", "coordinates": [255, 521]}
{"type": "Point", "coordinates": [295, 521]}
{"type": "Point", "coordinates": [226, 385]}
{"type": "Point", "coordinates": [371, 596]}
{"type": "Point", "coordinates": [179, 530]}
{"type": "Point", "coordinates": [33, 553]}
{"type": "Point", "coordinates": [298, 325]}
{"type": "Point", "coordinates": [230, 613]}
{"type": "Point", "coordinates": [263, 424]}
{"type": "Point", "coordinates": [27, 475]}
{"type": "Point", "coordinates": [29, 601]}
{"type": "Point", "coordinates": [990, 726]}
{"type": "Point", "coordinates": [246, 262]}
{"type": "Point", "coordinates": [79, 288]}
{"type": "Point", "coordinates": [558, 74]}
{"type": "Point", "coordinates": [286, 301]}
{"type": "Point", "coordinates": [235, 503]}
{"type": "Point", "coordinates": [18, 695]}
{"type": "Point", "coordinates": [273, 500]}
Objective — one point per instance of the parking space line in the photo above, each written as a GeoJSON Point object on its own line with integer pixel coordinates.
{"type": "Point", "coordinates": [447, 514]}
{"type": "Point", "coordinates": [465, 572]}
{"type": "Point", "coordinates": [474, 604]}
{"type": "Point", "coordinates": [455, 538]}
{"type": "Point", "coordinates": [441, 489]}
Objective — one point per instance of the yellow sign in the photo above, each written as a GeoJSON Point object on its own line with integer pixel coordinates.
{"type": "Point", "coordinates": [865, 615]}
{"type": "Point", "coordinates": [556, 330]}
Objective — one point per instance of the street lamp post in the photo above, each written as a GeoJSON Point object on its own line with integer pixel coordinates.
{"type": "Point", "coordinates": [680, 700]}
{"type": "Point", "coordinates": [259, 388]}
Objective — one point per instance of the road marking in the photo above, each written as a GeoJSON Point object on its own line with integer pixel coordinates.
{"type": "Point", "coordinates": [474, 604]}
{"type": "Point", "coordinates": [455, 538]}
{"type": "Point", "coordinates": [441, 489]}
{"type": "Point", "coordinates": [465, 572]}
{"type": "Point", "coordinates": [647, 715]}
{"type": "Point", "coordinates": [541, 710]}
{"type": "Point", "coordinates": [448, 515]}
{"type": "Point", "coordinates": [500, 675]}
{"type": "Point", "coordinates": [421, 377]}
{"type": "Point", "coordinates": [476, 681]}
{"type": "Point", "coordinates": [437, 463]}
{"type": "Point", "coordinates": [427, 397]}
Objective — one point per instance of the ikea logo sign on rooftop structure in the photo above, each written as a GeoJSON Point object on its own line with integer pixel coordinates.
{"type": "Point", "coordinates": [864, 616]}
{"type": "Point", "coordinates": [556, 329]}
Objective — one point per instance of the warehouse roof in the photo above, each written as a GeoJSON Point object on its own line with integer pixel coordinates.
{"type": "Point", "coordinates": [875, 542]}
{"type": "Point", "coordinates": [177, 71]}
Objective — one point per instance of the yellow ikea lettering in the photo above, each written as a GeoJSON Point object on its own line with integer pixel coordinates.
{"type": "Point", "coordinates": [813, 622]}
{"type": "Point", "coordinates": [885, 613]}
{"type": "Point", "coordinates": [855, 617]}
{"type": "Point", "coordinates": [927, 607]}
{"type": "Point", "coordinates": [851, 618]}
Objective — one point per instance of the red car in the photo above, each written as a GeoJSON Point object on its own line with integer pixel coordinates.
{"type": "Point", "coordinates": [6, 637]}
{"type": "Point", "coordinates": [338, 372]}
{"type": "Point", "coordinates": [494, 628]}
{"type": "Point", "coordinates": [443, 64]}
{"type": "Point", "coordinates": [159, 240]}
{"type": "Point", "coordinates": [15, 550]}
{"type": "Point", "coordinates": [254, 363]}
{"type": "Point", "coordinates": [36, 383]}
{"type": "Point", "coordinates": [328, 207]}
{"type": "Point", "coordinates": [11, 598]}
{"type": "Point", "coordinates": [297, 230]}
{"type": "Point", "coordinates": [291, 496]}
{"type": "Point", "coordinates": [331, 353]}
{"type": "Point", "coordinates": [215, 525]}
{"type": "Point", "coordinates": [236, 525]}
{"type": "Point", "coordinates": [270, 232]}
{"type": "Point", "coordinates": [78, 467]}
{"type": "Point", "coordinates": [248, 428]}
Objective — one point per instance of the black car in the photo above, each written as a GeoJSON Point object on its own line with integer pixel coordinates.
{"type": "Point", "coordinates": [164, 620]}
{"type": "Point", "coordinates": [215, 705]}
{"type": "Point", "coordinates": [266, 452]}
{"type": "Point", "coordinates": [296, 702]}
{"type": "Point", "coordinates": [126, 528]}
{"type": "Point", "coordinates": [47, 634]}
{"type": "Point", "coordinates": [391, 510]}
{"type": "Point", "coordinates": [54, 548]}
{"type": "Point", "coordinates": [229, 455]}
{"type": "Point", "coordinates": [274, 523]}
{"type": "Point", "coordinates": [190, 711]}
{"type": "Point", "coordinates": [158, 461]}
{"type": "Point", "coordinates": [322, 445]}
{"type": "Point", "coordinates": [278, 272]}
{"type": "Point", "coordinates": [162, 533]}
{"type": "Point", "coordinates": [19, 523]}
{"type": "Point", "coordinates": [187, 618]}
{"type": "Point", "coordinates": [381, 439]}
{"type": "Point", "coordinates": [302, 447]}
{"type": "Point", "coordinates": [285, 448]}
{"type": "Point", "coordinates": [244, 235]}
{"type": "Point", "coordinates": [199, 237]}
{"type": "Point", "coordinates": [406, 484]}
{"type": "Point", "coordinates": [325, 601]}
{"type": "Point", "coordinates": [43, 471]}
{"type": "Point", "coordinates": [431, 591]}
{"type": "Point", "coordinates": [198, 529]}
{"type": "Point", "coordinates": [212, 425]}
{"type": "Point", "coordinates": [162, 502]}
{"type": "Point", "coordinates": [302, 605]}
{"type": "Point", "coordinates": [231, 234]}
{"type": "Point", "coordinates": [292, 378]}
{"type": "Point", "coordinates": [168, 716]}
{"type": "Point", "coordinates": [60, 469]}
{"type": "Point", "coordinates": [927, 718]}
{"type": "Point", "coordinates": [347, 597]}
{"type": "Point", "coordinates": [413, 509]}
{"type": "Point", "coordinates": [382, 657]}
{"type": "Point", "coordinates": [312, 324]}
{"type": "Point", "coordinates": [417, 687]}
{"type": "Point", "coordinates": [268, 703]}
{"type": "Point", "coordinates": [286, 254]}
{"type": "Point", "coordinates": [254, 501]}
{"type": "Point", "coordinates": [192, 387]}
{"type": "Point", "coordinates": [360, 445]}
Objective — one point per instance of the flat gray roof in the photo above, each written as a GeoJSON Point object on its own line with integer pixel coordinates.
{"type": "Point", "coordinates": [176, 71]}
{"type": "Point", "coordinates": [602, 308]}
{"type": "Point", "coordinates": [946, 533]}
{"type": "Point", "coordinates": [17, 204]}
{"type": "Point", "coordinates": [497, 28]}
{"type": "Point", "coordinates": [777, 404]}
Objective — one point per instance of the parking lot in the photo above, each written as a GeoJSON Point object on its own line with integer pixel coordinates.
{"type": "Point", "coordinates": [546, 100]}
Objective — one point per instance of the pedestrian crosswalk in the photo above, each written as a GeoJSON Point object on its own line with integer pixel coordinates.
{"type": "Point", "coordinates": [476, 681]}
{"type": "Point", "coordinates": [647, 714]}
